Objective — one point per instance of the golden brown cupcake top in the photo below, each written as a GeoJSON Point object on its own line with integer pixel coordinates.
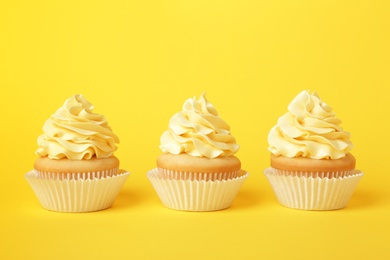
{"type": "Point", "coordinates": [187, 163]}
{"type": "Point", "coordinates": [304, 164]}
{"type": "Point", "coordinates": [45, 164]}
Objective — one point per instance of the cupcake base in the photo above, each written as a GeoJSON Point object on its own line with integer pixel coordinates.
{"type": "Point", "coordinates": [189, 194]}
{"type": "Point", "coordinates": [76, 194]}
{"type": "Point", "coordinates": [313, 191]}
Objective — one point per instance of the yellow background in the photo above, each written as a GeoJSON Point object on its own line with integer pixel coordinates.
{"type": "Point", "coordinates": [137, 62]}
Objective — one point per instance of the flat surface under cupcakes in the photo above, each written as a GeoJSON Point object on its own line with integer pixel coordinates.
{"type": "Point", "coordinates": [187, 163]}
{"type": "Point", "coordinates": [303, 164]}
{"type": "Point", "coordinates": [44, 164]}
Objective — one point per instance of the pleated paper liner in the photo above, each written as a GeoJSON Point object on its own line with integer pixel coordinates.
{"type": "Point", "coordinates": [180, 191]}
{"type": "Point", "coordinates": [78, 176]}
{"type": "Point", "coordinates": [76, 192]}
{"type": "Point", "coordinates": [322, 191]}
{"type": "Point", "coordinates": [177, 175]}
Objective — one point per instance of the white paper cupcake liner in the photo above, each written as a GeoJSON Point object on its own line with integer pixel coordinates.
{"type": "Point", "coordinates": [78, 176]}
{"type": "Point", "coordinates": [195, 195]}
{"type": "Point", "coordinates": [76, 194]}
{"type": "Point", "coordinates": [177, 175]}
{"type": "Point", "coordinates": [301, 191]}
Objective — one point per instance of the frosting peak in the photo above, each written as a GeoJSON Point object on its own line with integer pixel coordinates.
{"type": "Point", "coordinates": [198, 131]}
{"type": "Point", "coordinates": [76, 133]}
{"type": "Point", "coordinates": [309, 129]}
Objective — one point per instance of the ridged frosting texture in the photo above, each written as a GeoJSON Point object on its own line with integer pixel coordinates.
{"type": "Point", "coordinates": [198, 130]}
{"type": "Point", "coordinates": [76, 133]}
{"type": "Point", "coordinates": [309, 129]}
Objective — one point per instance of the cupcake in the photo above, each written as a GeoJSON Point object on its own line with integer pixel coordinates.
{"type": "Point", "coordinates": [312, 167]}
{"type": "Point", "coordinates": [76, 170]}
{"type": "Point", "coordinates": [197, 170]}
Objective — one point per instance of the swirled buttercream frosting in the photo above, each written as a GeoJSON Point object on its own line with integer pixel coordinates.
{"type": "Point", "coordinates": [198, 130]}
{"type": "Point", "coordinates": [309, 129]}
{"type": "Point", "coordinates": [76, 133]}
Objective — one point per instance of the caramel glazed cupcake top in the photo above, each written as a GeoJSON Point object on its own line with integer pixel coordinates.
{"type": "Point", "coordinates": [309, 138]}
{"type": "Point", "coordinates": [198, 140]}
{"type": "Point", "coordinates": [74, 134]}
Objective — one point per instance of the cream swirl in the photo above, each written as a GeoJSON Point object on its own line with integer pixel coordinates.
{"type": "Point", "coordinates": [309, 129]}
{"type": "Point", "coordinates": [198, 131]}
{"type": "Point", "coordinates": [76, 133]}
